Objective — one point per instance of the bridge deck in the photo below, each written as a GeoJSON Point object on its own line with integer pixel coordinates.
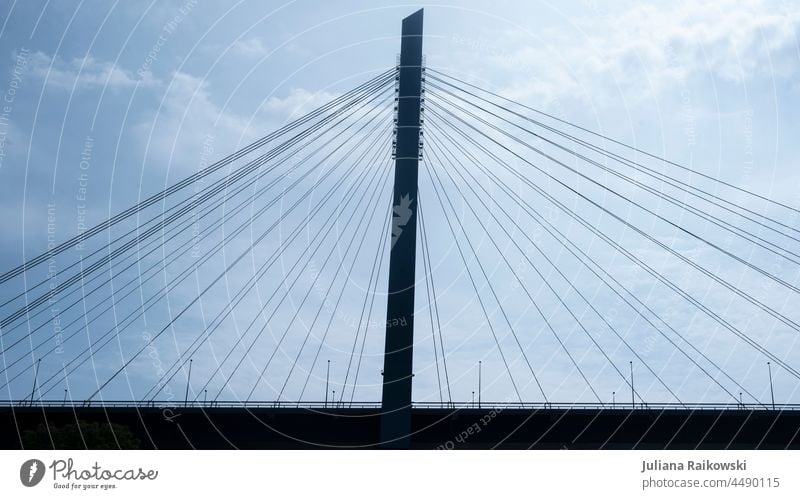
{"type": "Point", "coordinates": [461, 428]}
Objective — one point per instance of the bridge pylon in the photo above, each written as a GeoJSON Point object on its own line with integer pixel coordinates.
{"type": "Point", "coordinates": [398, 357]}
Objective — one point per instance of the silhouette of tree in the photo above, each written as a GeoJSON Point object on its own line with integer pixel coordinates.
{"type": "Point", "coordinates": [84, 435]}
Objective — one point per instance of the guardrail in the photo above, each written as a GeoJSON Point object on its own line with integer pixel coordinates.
{"type": "Point", "coordinates": [376, 405]}
{"type": "Point", "coordinates": [233, 404]}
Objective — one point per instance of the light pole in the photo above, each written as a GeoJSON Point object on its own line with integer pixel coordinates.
{"type": "Point", "coordinates": [771, 390]}
{"type": "Point", "coordinates": [188, 380]}
{"type": "Point", "coordinates": [633, 400]}
{"type": "Point", "coordinates": [327, 378]}
{"type": "Point", "coordinates": [479, 384]}
{"type": "Point", "coordinates": [35, 377]}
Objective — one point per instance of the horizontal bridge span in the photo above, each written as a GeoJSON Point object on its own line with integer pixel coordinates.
{"type": "Point", "coordinates": [254, 427]}
{"type": "Point", "coordinates": [257, 404]}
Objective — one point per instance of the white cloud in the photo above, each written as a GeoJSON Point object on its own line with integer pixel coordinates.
{"type": "Point", "coordinates": [189, 115]}
{"type": "Point", "coordinates": [298, 102]}
{"type": "Point", "coordinates": [84, 73]}
{"type": "Point", "coordinates": [175, 132]}
{"type": "Point", "coordinates": [250, 47]}
{"type": "Point", "coordinates": [646, 48]}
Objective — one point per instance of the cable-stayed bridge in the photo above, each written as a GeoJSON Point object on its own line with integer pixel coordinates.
{"type": "Point", "coordinates": [418, 262]}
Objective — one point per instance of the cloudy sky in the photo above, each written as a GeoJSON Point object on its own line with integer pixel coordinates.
{"type": "Point", "coordinates": [106, 103]}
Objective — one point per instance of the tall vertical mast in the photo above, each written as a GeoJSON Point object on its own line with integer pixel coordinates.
{"type": "Point", "coordinates": [398, 357]}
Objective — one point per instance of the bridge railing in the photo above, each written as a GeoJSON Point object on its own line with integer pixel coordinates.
{"type": "Point", "coordinates": [234, 404]}
{"type": "Point", "coordinates": [145, 404]}
{"type": "Point", "coordinates": [608, 406]}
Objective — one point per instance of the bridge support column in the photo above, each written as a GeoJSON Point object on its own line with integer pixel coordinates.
{"type": "Point", "coordinates": [398, 357]}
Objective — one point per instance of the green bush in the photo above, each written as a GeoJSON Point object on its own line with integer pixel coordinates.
{"type": "Point", "coordinates": [84, 435]}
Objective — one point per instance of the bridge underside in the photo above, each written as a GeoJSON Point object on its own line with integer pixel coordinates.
{"type": "Point", "coordinates": [299, 428]}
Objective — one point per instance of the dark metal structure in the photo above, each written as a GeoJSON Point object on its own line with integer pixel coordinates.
{"type": "Point", "coordinates": [392, 423]}
{"type": "Point", "coordinates": [500, 427]}
{"type": "Point", "coordinates": [398, 357]}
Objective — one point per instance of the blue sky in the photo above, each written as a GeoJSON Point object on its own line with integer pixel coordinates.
{"type": "Point", "coordinates": [108, 102]}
